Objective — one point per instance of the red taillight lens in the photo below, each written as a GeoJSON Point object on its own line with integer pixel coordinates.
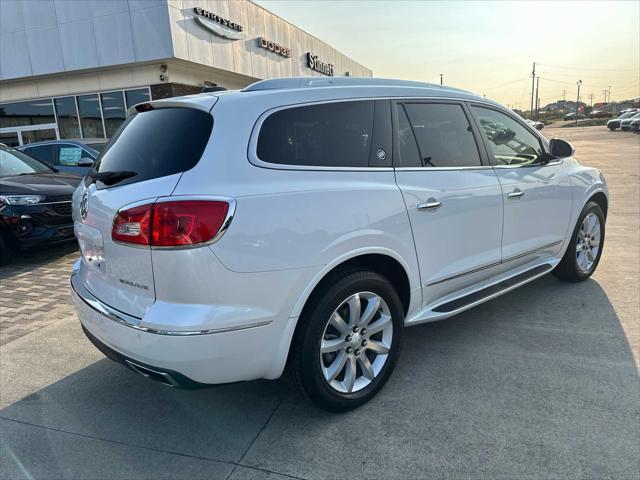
{"type": "Point", "coordinates": [187, 222]}
{"type": "Point", "coordinates": [133, 225]}
{"type": "Point", "coordinates": [171, 224]}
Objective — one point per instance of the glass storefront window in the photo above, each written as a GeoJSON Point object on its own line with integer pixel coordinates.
{"type": "Point", "coordinates": [113, 111]}
{"type": "Point", "coordinates": [34, 112]}
{"type": "Point", "coordinates": [138, 95]}
{"type": "Point", "coordinates": [68, 125]}
{"type": "Point", "coordinates": [90, 116]}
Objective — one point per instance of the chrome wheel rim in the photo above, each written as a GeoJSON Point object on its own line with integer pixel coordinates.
{"type": "Point", "coordinates": [356, 342]}
{"type": "Point", "coordinates": [588, 242]}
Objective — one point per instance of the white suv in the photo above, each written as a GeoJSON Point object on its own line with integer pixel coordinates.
{"type": "Point", "coordinates": [300, 224]}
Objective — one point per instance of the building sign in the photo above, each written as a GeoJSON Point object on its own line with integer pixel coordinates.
{"type": "Point", "coordinates": [314, 64]}
{"type": "Point", "coordinates": [274, 47]}
{"type": "Point", "coordinates": [218, 25]}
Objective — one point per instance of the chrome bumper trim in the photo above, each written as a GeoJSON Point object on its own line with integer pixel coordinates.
{"type": "Point", "coordinates": [133, 322]}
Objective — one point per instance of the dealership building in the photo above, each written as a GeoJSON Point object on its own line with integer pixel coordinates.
{"type": "Point", "coordinates": [70, 69]}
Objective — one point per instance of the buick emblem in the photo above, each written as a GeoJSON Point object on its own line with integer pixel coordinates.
{"type": "Point", "coordinates": [381, 154]}
{"type": "Point", "coordinates": [84, 206]}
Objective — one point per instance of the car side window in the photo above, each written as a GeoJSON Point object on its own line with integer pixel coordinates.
{"type": "Point", "coordinates": [337, 134]}
{"type": "Point", "coordinates": [408, 154]}
{"type": "Point", "coordinates": [443, 134]}
{"type": "Point", "coordinates": [70, 155]}
{"type": "Point", "coordinates": [44, 153]}
{"type": "Point", "coordinates": [509, 141]}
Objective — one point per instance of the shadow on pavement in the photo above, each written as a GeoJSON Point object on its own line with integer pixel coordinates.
{"type": "Point", "coordinates": [539, 383]}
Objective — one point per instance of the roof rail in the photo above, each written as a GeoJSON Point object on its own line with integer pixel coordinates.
{"type": "Point", "coordinates": [310, 82]}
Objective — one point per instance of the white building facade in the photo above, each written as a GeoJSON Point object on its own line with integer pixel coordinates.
{"type": "Point", "coordinates": [71, 68]}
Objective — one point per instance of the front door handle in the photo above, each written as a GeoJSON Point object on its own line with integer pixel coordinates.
{"type": "Point", "coordinates": [431, 204]}
{"type": "Point", "coordinates": [517, 193]}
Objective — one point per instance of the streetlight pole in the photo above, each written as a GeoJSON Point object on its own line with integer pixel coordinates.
{"type": "Point", "coordinates": [441, 79]}
{"type": "Point", "coordinates": [579, 82]}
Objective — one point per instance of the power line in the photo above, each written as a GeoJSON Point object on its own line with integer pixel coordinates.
{"type": "Point", "coordinates": [589, 69]}
{"type": "Point", "coordinates": [585, 76]}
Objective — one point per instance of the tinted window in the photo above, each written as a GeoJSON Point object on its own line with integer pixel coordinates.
{"type": "Point", "coordinates": [34, 112]}
{"type": "Point", "coordinates": [113, 111]}
{"type": "Point", "coordinates": [408, 155]}
{"type": "Point", "coordinates": [444, 135]}
{"type": "Point", "coordinates": [136, 96]}
{"type": "Point", "coordinates": [44, 153]}
{"type": "Point", "coordinates": [90, 117]}
{"type": "Point", "coordinates": [157, 143]}
{"type": "Point", "coordinates": [509, 141]}
{"type": "Point", "coordinates": [327, 135]}
{"type": "Point", "coordinates": [70, 155]}
{"type": "Point", "coordinates": [68, 125]}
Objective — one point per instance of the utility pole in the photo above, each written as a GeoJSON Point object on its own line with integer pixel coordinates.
{"type": "Point", "coordinates": [591, 98]}
{"type": "Point", "coordinates": [564, 95]}
{"type": "Point", "coordinates": [441, 79]}
{"type": "Point", "coordinates": [579, 82]}
{"type": "Point", "coordinates": [537, 98]}
{"type": "Point", "coordinates": [533, 83]}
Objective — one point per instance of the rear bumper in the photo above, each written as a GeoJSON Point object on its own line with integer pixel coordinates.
{"type": "Point", "coordinates": [181, 359]}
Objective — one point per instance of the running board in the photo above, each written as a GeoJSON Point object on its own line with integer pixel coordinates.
{"type": "Point", "coordinates": [492, 290]}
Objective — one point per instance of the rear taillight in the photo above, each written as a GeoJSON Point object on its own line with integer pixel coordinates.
{"type": "Point", "coordinates": [171, 224]}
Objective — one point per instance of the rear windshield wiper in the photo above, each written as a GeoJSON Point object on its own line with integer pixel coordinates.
{"type": "Point", "coordinates": [110, 178]}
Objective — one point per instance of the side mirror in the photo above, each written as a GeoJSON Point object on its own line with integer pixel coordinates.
{"type": "Point", "coordinates": [560, 148]}
{"type": "Point", "coordinates": [86, 162]}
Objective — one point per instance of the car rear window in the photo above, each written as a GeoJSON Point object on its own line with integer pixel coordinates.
{"type": "Point", "coordinates": [156, 143]}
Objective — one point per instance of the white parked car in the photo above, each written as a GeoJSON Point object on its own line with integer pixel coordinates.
{"type": "Point", "coordinates": [535, 124]}
{"type": "Point", "coordinates": [300, 224]}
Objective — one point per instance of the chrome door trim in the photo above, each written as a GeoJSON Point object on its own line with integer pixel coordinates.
{"type": "Point", "coordinates": [495, 264]}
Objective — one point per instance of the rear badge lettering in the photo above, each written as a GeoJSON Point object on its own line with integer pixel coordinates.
{"type": "Point", "coordinates": [133, 284]}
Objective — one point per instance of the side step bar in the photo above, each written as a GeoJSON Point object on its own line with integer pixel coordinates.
{"type": "Point", "coordinates": [492, 290]}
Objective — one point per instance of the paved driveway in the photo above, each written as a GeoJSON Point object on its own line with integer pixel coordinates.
{"type": "Point", "coordinates": [540, 383]}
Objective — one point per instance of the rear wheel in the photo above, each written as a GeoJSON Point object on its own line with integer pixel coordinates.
{"type": "Point", "coordinates": [347, 341]}
{"type": "Point", "coordinates": [584, 251]}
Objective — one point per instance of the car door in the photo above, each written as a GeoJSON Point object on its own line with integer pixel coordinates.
{"type": "Point", "coordinates": [71, 159]}
{"type": "Point", "coordinates": [452, 195]}
{"type": "Point", "coordinates": [536, 191]}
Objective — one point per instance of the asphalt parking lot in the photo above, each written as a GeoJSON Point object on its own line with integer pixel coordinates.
{"type": "Point", "coordinates": [540, 383]}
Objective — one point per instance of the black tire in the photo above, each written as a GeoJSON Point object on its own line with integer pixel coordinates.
{"type": "Point", "coordinates": [304, 363]}
{"type": "Point", "coordinates": [612, 128]}
{"type": "Point", "coordinates": [6, 249]}
{"type": "Point", "coordinates": [568, 269]}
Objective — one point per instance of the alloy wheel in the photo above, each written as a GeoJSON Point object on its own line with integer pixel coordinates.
{"type": "Point", "coordinates": [356, 342]}
{"type": "Point", "coordinates": [588, 242]}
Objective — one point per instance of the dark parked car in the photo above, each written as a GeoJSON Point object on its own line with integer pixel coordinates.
{"type": "Point", "coordinates": [635, 125]}
{"type": "Point", "coordinates": [614, 123]}
{"type": "Point", "coordinates": [35, 203]}
{"type": "Point", "coordinates": [625, 123]}
{"type": "Point", "coordinates": [600, 114]}
{"type": "Point", "coordinates": [71, 156]}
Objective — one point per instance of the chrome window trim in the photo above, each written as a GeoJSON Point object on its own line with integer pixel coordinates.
{"type": "Point", "coordinates": [134, 322]}
{"type": "Point", "coordinates": [175, 198]}
{"type": "Point", "coordinates": [442, 169]}
{"type": "Point", "coordinates": [252, 148]}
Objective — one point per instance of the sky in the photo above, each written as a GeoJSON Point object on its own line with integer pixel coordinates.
{"type": "Point", "coordinates": [485, 47]}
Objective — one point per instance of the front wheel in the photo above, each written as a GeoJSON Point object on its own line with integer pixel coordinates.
{"type": "Point", "coordinates": [585, 248]}
{"type": "Point", "coordinates": [347, 341]}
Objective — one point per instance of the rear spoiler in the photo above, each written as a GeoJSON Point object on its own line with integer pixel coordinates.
{"type": "Point", "coordinates": [200, 102]}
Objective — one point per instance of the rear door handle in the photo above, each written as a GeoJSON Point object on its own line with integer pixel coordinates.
{"type": "Point", "coordinates": [517, 193]}
{"type": "Point", "coordinates": [431, 204]}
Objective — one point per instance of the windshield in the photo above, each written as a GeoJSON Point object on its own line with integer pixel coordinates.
{"type": "Point", "coordinates": [627, 115]}
{"type": "Point", "coordinates": [15, 162]}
